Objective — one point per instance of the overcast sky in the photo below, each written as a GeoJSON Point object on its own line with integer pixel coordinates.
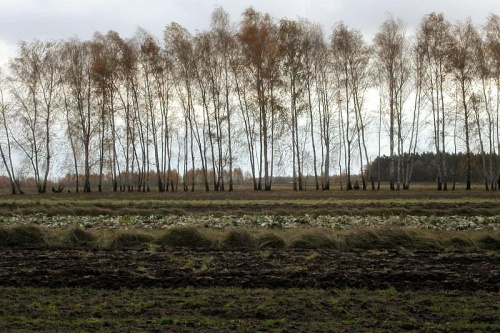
{"type": "Point", "coordinates": [61, 19]}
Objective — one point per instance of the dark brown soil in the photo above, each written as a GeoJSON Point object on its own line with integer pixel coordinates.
{"type": "Point", "coordinates": [113, 269]}
{"type": "Point", "coordinates": [161, 290]}
{"type": "Point", "coordinates": [354, 207]}
{"type": "Point", "coordinates": [350, 208]}
{"type": "Point", "coordinates": [281, 201]}
{"type": "Point", "coordinates": [26, 309]}
{"type": "Point", "coordinates": [279, 192]}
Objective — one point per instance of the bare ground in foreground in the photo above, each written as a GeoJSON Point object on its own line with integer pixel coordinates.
{"type": "Point", "coordinates": [276, 268]}
{"type": "Point", "coordinates": [187, 290]}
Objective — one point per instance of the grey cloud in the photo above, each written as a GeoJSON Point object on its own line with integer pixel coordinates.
{"type": "Point", "coordinates": [59, 19]}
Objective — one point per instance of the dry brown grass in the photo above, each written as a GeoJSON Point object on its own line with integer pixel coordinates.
{"type": "Point", "coordinates": [22, 236]}
{"type": "Point", "coordinates": [270, 240]}
{"type": "Point", "coordinates": [79, 237]}
{"type": "Point", "coordinates": [390, 238]}
{"type": "Point", "coordinates": [317, 239]}
{"type": "Point", "coordinates": [121, 239]}
{"type": "Point", "coordinates": [357, 239]}
{"type": "Point", "coordinates": [239, 238]}
{"type": "Point", "coordinates": [420, 200]}
{"type": "Point", "coordinates": [185, 237]}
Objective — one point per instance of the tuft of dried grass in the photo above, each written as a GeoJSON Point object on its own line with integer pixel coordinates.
{"type": "Point", "coordinates": [185, 237]}
{"type": "Point", "coordinates": [317, 239]}
{"type": "Point", "coordinates": [390, 238]}
{"type": "Point", "coordinates": [489, 242]}
{"type": "Point", "coordinates": [270, 240]}
{"type": "Point", "coordinates": [79, 237]}
{"type": "Point", "coordinates": [239, 238]}
{"type": "Point", "coordinates": [26, 235]}
{"type": "Point", "coordinates": [123, 239]}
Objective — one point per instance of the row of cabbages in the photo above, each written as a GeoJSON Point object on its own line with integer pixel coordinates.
{"type": "Point", "coordinates": [257, 221]}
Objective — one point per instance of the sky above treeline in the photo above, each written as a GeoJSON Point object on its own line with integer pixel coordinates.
{"type": "Point", "coordinates": [25, 20]}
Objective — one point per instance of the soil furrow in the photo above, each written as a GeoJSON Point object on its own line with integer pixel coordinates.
{"type": "Point", "coordinates": [114, 269]}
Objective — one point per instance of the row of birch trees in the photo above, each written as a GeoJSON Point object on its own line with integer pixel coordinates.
{"type": "Point", "coordinates": [264, 94]}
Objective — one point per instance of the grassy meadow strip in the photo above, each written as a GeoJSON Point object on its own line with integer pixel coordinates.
{"type": "Point", "coordinates": [421, 205]}
{"type": "Point", "coordinates": [205, 238]}
{"type": "Point", "coordinates": [225, 309]}
{"type": "Point", "coordinates": [10, 202]}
